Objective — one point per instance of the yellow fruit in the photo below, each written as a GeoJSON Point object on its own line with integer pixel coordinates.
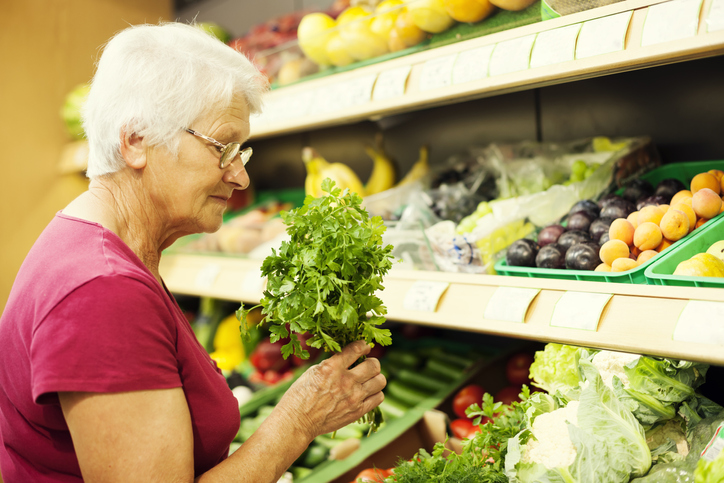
{"type": "Point", "coordinates": [468, 10]}
{"type": "Point", "coordinates": [354, 29]}
{"type": "Point", "coordinates": [419, 170]}
{"type": "Point", "coordinates": [313, 33]}
{"type": "Point", "coordinates": [701, 265]}
{"type": "Point", "coordinates": [383, 171]}
{"type": "Point", "coordinates": [623, 264]}
{"type": "Point", "coordinates": [717, 249]}
{"type": "Point", "coordinates": [318, 169]}
{"type": "Point", "coordinates": [228, 359]}
{"type": "Point", "coordinates": [430, 15]}
{"type": "Point", "coordinates": [228, 334]}
{"type": "Point", "coordinates": [405, 33]}
{"type": "Point", "coordinates": [386, 14]}
{"type": "Point", "coordinates": [336, 51]}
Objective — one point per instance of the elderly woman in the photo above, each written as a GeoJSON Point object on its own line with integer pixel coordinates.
{"type": "Point", "coordinates": [101, 377]}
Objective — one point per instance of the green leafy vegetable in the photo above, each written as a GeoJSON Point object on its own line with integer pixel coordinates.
{"type": "Point", "coordinates": [482, 457]}
{"type": "Point", "coordinates": [556, 369]}
{"type": "Point", "coordinates": [323, 281]}
{"type": "Point", "coordinates": [710, 471]}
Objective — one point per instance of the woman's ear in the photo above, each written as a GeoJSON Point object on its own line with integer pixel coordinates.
{"type": "Point", "coordinates": [133, 149]}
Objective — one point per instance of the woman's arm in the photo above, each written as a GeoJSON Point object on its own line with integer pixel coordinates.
{"type": "Point", "coordinates": [146, 435]}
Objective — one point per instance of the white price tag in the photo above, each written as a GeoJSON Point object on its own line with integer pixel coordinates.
{"type": "Point", "coordinates": [675, 20]}
{"type": "Point", "coordinates": [579, 310]}
{"type": "Point", "coordinates": [511, 55]}
{"type": "Point", "coordinates": [300, 104]}
{"type": "Point", "coordinates": [555, 46]}
{"type": "Point", "coordinates": [391, 83]}
{"type": "Point", "coordinates": [715, 19]}
{"type": "Point", "coordinates": [472, 65]}
{"type": "Point", "coordinates": [701, 322]}
{"type": "Point", "coordinates": [357, 91]}
{"type": "Point", "coordinates": [437, 73]}
{"type": "Point", "coordinates": [603, 35]}
{"type": "Point", "coordinates": [424, 295]}
{"type": "Point", "coordinates": [253, 282]}
{"type": "Point", "coordinates": [510, 304]}
{"type": "Point", "coordinates": [207, 276]}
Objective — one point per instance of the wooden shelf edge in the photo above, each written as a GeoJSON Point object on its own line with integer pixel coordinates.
{"type": "Point", "coordinates": [638, 318]}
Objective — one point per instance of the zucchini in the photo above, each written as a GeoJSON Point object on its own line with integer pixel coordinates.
{"type": "Point", "coordinates": [392, 409]}
{"type": "Point", "coordinates": [420, 380]}
{"type": "Point", "coordinates": [406, 394]}
{"type": "Point", "coordinates": [445, 369]}
{"type": "Point", "coordinates": [403, 358]}
{"type": "Point", "coordinates": [455, 359]}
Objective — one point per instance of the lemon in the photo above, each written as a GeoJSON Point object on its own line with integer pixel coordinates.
{"type": "Point", "coordinates": [386, 14]}
{"type": "Point", "coordinates": [701, 265]}
{"type": "Point", "coordinates": [468, 10]}
{"type": "Point", "coordinates": [337, 51]}
{"type": "Point", "coordinates": [228, 335]}
{"type": "Point", "coordinates": [354, 28]}
{"type": "Point", "coordinates": [228, 359]}
{"type": "Point", "coordinates": [717, 249]}
{"type": "Point", "coordinates": [313, 33]}
{"type": "Point", "coordinates": [430, 15]}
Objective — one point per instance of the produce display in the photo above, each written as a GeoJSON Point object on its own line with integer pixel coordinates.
{"type": "Point", "coordinates": [603, 416]}
{"type": "Point", "coordinates": [628, 229]}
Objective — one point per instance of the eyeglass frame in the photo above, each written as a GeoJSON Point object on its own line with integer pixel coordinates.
{"type": "Point", "coordinates": [232, 147]}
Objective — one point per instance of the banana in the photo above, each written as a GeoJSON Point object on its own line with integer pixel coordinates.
{"type": "Point", "coordinates": [383, 172]}
{"type": "Point", "coordinates": [318, 169]}
{"type": "Point", "coordinates": [419, 170]}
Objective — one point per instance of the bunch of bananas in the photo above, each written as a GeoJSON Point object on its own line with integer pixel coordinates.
{"type": "Point", "coordinates": [382, 178]}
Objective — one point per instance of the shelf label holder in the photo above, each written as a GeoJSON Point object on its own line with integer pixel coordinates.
{"type": "Point", "coordinates": [603, 35]}
{"type": "Point", "coordinates": [579, 310]}
{"type": "Point", "coordinates": [510, 304]}
{"type": "Point", "coordinates": [669, 21]}
{"type": "Point", "coordinates": [701, 322]}
{"type": "Point", "coordinates": [424, 295]}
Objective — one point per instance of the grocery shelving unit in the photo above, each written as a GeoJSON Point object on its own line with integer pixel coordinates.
{"type": "Point", "coordinates": [637, 318]}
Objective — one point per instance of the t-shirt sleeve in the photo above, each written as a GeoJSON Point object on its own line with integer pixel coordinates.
{"type": "Point", "coordinates": [112, 334]}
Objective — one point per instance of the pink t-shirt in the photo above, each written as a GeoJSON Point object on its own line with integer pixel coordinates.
{"type": "Point", "coordinates": [85, 314]}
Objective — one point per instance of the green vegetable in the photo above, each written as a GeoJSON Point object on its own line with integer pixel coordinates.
{"type": "Point", "coordinates": [420, 380]}
{"type": "Point", "coordinates": [406, 394]}
{"type": "Point", "coordinates": [446, 370]}
{"type": "Point", "coordinates": [442, 355]}
{"type": "Point", "coordinates": [325, 279]}
{"type": "Point", "coordinates": [403, 358]}
{"type": "Point", "coordinates": [556, 369]}
{"type": "Point", "coordinates": [71, 110]}
{"type": "Point", "coordinates": [315, 455]}
{"type": "Point", "coordinates": [610, 443]}
{"type": "Point", "coordinates": [710, 471]}
{"type": "Point", "coordinates": [392, 408]}
{"type": "Point", "coordinates": [482, 456]}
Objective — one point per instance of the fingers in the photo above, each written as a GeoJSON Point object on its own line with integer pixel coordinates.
{"type": "Point", "coordinates": [353, 351]}
{"type": "Point", "coordinates": [375, 384]}
{"type": "Point", "coordinates": [366, 370]}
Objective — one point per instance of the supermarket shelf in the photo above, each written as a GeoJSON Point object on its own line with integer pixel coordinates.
{"type": "Point", "coordinates": [295, 108]}
{"type": "Point", "coordinates": [638, 318]}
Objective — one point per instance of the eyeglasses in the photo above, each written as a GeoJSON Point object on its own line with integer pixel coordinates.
{"type": "Point", "coordinates": [228, 151]}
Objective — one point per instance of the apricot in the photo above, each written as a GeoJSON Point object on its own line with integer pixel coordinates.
{"type": "Point", "coordinates": [611, 250]}
{"type": "Point", "coordinates": [623, 264]}
{"type": "Point", "coordinates": [602, 268]}
{"type": "Point", "coordinates": [674, 224]}
{"type": "Point", "coordinates": [700, 222]}
{"type": "Point", "coordinates": [633, 218]}
{"type": "Point", "coordinates": [650, 213]}
{"type": "Point", "coordinates": [706, 203]}
{"type": "Point", "coordinates": [665, 243]}
{"type": "Point", "coordinates": [621, 229]}
{"type": "Point", "coordinates": [717, 173]}
{"type": "Point", "coordinates": [647, 236]}
{"type": "Point", "coordinates": [635, 252]}
{"type": "Point", "coordinates": [705, 180]}
{"type": "Point", "coordinates": [688, 211]}
{"type": "Point", "coordinates": [664, 208]}
{"type": "Point", "coordinates": [646, 255]}
{"type": "Point", "coordinates": [680, 196]}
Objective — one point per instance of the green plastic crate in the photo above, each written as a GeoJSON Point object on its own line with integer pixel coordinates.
{"type": "Point", "coordinates": [681, 171]}
{"type": "Point", "coordinates": [661, 271]}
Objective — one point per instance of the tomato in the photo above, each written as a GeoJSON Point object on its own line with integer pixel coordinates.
{"type": "Point", "coordinates": [268, 355]}
{"type": "Point", "coordinates": [517, 370]}
{"type": "Point", "coordinates": [508, 394]}
{"type": "Point", "coordinates": [461, 427]}
{"type": "Point", "coordinates": [470, 394]}
{"type": "Point", "coordinates": [374, 475]}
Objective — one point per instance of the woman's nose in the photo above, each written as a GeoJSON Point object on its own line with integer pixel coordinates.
{"type": "Point", "coordinates": [236, 175]}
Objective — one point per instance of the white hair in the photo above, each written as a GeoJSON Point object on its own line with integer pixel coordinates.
{"type": "Point", "coordinates": [156, 80]}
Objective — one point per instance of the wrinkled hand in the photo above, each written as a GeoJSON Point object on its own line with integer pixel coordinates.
{"type": "Point", "coordinates": [330, 395]}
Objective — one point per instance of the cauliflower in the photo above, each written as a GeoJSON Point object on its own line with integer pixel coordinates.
{"type": "Point", "coordinates": [552, 446]}
{"type": "Point", "coordinates": [611, 363]}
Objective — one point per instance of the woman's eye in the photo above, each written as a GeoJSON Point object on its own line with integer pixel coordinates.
{"type": "Point", "coordinates": [219, 149]}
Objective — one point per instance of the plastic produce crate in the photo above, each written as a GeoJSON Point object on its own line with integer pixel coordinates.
{"type": "Point", "coordinates": [661, 271]}
{"type": "Point", "coordinates": [682, 171]}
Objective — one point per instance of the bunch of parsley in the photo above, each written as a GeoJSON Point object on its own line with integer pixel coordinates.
{"type": "Point", "coordinates": [482, 459]}
{"type": "Point", "coordinates": [325, 278]}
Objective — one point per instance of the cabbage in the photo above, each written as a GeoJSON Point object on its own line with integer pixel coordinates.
{"type": "Point", "coordinates": [556, 369]}
{"type": "Point", "coordinates": [610, 443]}
{"type": "Point", "coordinates": [70, 112]}
{"type": "Point", "coordinates": [710, 471]}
